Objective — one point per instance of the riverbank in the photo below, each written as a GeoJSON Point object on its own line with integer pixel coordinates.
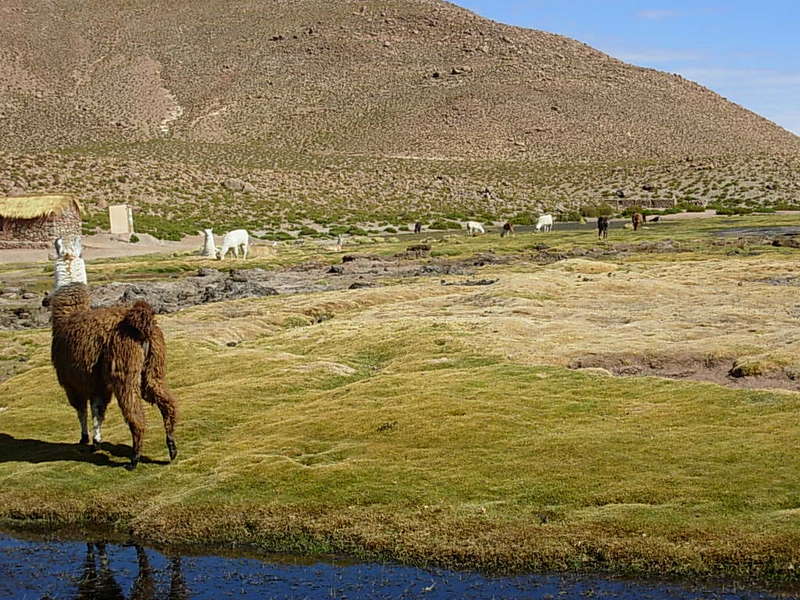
{"type": "Point", "coordinates": [455, 425]}
{"type": "Point", "coordinates": [97, 569]}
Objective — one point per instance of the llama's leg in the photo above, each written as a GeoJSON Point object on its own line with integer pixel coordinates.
{"type": "Point", "coordinates": [244, 249]}
{"type": "Point", "coordinates": [165, 402]}
{"type": "Point", "coordinates": [132, 412]}
{"type": "Point", "coordinates": [78, 402]}
{"type": "Point", "coordinates": [236, 251]}
{"type": "Point", "coordinates": [83, 418]}
{"type": "Point", "coordinates": [99, 406]}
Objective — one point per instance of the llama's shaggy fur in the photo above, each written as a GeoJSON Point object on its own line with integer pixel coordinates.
{"type": "Point", "coordinates": [235, 240]}
{"type": "Point", "coordinates": [100, 352]}
{"type": "Point", "coordinates": [637, 219]}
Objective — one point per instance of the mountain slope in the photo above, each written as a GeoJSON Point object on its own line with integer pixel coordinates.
{"type": "Point", "coordinates": [408, 78]}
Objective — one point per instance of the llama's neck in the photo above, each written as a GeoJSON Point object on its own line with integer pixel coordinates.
{"type": "Point", "coordinates": [68, 300]}
{"type": "Point", "coordinates": [69, 270]}
{"type": "Point", "coordinates": [208, 245]}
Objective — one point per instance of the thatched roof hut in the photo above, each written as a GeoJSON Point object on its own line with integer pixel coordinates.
{"type": "Point", "coordinates": [35, 221]}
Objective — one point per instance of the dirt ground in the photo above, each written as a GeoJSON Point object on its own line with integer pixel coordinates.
{"type": "Point", "coordinates": [105, 245]}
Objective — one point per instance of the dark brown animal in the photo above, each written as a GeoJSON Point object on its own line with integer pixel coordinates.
{"type": "Point", "coordinates": [637, 219]}
{"type": "Point", "coordinates": [119, 351]}
{"type": "Point", "coordinates": [508, 229]}
{"type": "Point", "coordinates": [417, 227]}
{"type": "Point", "coordinates": [602, 227]}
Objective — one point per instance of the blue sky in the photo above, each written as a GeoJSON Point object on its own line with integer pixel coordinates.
{"type": "Point", "coordinates": [746, 51]}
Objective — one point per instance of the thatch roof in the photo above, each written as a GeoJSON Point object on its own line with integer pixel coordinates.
{"type": "Point", "coordinates": [34, 207]}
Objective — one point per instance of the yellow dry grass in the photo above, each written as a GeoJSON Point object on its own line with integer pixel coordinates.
{"type": "Point", "coordinates": [34, 207]}
{"type": "Point", "coordinates": [438, 424]}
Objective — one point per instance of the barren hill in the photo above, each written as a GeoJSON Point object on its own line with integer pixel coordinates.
{"type": "Point", "coordinates": [393, 77]}
{"type": "Point", "coordinates": [230, 82]}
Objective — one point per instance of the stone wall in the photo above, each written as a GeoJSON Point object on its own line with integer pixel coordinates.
{"type": "Point", "coordinates": [43, 230]}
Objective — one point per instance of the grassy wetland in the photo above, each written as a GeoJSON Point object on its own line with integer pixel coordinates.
{"type": "Point", "coordinates": [577, 414]}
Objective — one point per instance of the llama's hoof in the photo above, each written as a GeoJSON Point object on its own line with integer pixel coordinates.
{"type": "Point", "coordinates": [172, 448]}
{"type": "Point", "coordinates": [84, 440]}
{"type": "Point", "coordinates": [132, 465]}
{"type": "Point", "coordinates": [95, 447]}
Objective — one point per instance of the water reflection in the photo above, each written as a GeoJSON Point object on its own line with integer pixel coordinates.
{"type": "Point", "coordinates": [97, 579]}
{"type": "Point", "coordinates": [100, 571]}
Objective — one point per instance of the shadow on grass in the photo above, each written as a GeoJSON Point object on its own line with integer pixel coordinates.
{"type": "Point", "coordinates": [37, 451]}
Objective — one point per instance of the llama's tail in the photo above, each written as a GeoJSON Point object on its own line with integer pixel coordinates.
{"type": "Point", "coordinates": [141, 321]}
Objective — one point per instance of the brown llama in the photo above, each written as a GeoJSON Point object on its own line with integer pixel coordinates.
{"type": "Point", "coordinates": [637, 219]}
{"type": "Point", "coordinates": [602, 227]}
{"type": "Point", "coordinates": [119, 351]}
{"type": "Point", "coordinates": [100, 352]}
{"type": "Point", "coordinates": [507, 229]}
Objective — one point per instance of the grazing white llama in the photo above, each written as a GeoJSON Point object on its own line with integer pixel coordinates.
{"type": "Point", "coordinates": [235, 240]}
{"type": "Point", "coordinates": [545, 222]}
{"type": "Point", "coordinates": [474, 228]}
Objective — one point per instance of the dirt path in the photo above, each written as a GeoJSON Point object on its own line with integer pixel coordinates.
{"type": "Point", "coordinates": [104, 245]}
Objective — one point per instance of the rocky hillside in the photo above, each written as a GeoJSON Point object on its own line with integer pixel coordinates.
{"type": "Point", "coordinates": [287, 90]}
{"type": "Point", "coordinates": [392, 77]}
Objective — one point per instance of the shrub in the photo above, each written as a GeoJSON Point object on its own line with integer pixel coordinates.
{"type": "Point", "coordinates": [631, 210]}
{"type": "Point", "coordinates": [596, 210]}
{"type": "Point", "coordinates": [278, 236]}
{"type": "Point", "coordinates": [523, 219]}
{"type": "Point", "coordinates": [134, 238]}
{"type": "Point", "coordinates": [570, 215]}
{"type": "Point", "coordinates": [353, 230]}
{"type": "Point", "coordinates": [690, 207]}
{"type": "Point", "coordinates": [94, 221]}
{"type": "Point", "coordinates": [443, 224]}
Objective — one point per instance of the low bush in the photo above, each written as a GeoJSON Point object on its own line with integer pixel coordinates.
{"type": "Point", "coordinates": [444, 225]}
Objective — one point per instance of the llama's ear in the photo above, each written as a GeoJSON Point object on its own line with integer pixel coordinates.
{"type": "Point", "coordinates": [59, 244]}
{"type": "Point", "coordinates": [76, 247]}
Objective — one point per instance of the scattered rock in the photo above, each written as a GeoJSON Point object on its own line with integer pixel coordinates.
{"type": "Point", "coordinates": [357, 285]}
{"type": "Point", "coordinates": [786, 241]}
{"type": "Point", "coordinates": [235, 185]}
{"type": "Point", "coordinates": [471, 282]}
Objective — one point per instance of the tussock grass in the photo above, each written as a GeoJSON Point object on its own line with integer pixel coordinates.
{"type": "Point", "coordinates": [439, 425]}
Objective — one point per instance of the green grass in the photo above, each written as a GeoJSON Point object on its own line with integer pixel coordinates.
{"type": "Point", "coordinates": [433, 424]}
